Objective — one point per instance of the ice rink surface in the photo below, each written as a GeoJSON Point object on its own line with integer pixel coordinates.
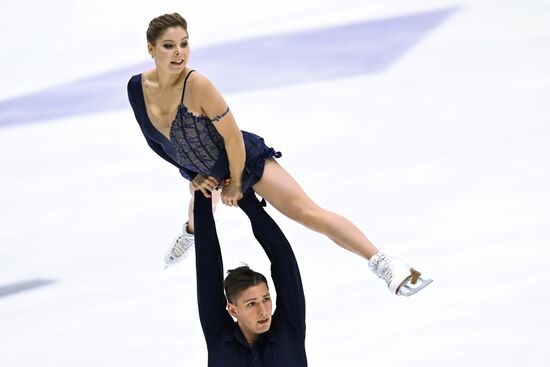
{"type": "Point", "coordinates": [440, 153]}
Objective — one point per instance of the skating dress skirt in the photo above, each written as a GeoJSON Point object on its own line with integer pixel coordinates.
{"type": "Point", "coordinates": [195, 146]}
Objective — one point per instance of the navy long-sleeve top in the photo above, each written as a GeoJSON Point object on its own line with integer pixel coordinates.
{"type": "Point", "coordinates": [284, 343]}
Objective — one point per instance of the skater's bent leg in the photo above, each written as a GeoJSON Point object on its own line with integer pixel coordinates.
{"type": "Point", "coordinates": [190, 216]}
{"type": "Point", "coordinates": [191, 220]}
{"type": "Point", "coordinates": [281, 190]}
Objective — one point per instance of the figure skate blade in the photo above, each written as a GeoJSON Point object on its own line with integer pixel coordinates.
{"type": "Point", "coordinates": [409, 289]}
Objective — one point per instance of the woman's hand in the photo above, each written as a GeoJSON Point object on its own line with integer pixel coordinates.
{"type": "Point", "coordinates": [231, 193]}
{"type": "Point", "coordinates": [205, 184]}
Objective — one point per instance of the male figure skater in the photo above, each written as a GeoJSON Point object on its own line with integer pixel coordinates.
{"type": "Point", "coordinates": [258, 338]}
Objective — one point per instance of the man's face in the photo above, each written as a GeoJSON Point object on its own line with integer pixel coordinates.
{"type": "Point", "coordinates": [253, 311]}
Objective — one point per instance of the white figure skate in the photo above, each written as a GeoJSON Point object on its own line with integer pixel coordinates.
{"type": "Point", "coordinates": [179, 248]}
{"type": "Point", "coordinates": [400, 277]}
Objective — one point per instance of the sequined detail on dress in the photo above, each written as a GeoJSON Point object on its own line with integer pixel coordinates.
{"type": "Point", "coordinates": [219, 117]}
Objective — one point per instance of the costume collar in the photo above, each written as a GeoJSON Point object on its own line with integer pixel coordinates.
{"type": "Point", "coordinates": [238, 336]}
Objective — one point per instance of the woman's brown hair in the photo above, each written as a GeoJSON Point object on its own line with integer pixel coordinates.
{"type": "Point", "coordinates": [158, 25]}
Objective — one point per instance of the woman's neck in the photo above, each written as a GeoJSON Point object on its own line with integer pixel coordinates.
{"type": "Point", "coordinates": [167, 81]}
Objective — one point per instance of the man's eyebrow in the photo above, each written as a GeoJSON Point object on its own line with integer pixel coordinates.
{"type": "Point", "coordinates": [255, 298]}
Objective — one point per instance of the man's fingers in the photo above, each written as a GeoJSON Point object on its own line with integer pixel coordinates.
{"type": "Point", "coordinates": [212, 180]}
{"type": "Point", "coordinates": [205, 192]}
{"type": "Point", "coordinates": [226, 200]}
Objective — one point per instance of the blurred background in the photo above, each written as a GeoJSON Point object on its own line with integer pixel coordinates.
{"type": "Point", "coordinates": [424, 122]}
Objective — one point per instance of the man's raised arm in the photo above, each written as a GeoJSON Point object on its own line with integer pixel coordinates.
{"type": "Point", "coordinates": [210, 292]}
{"type": "Point", "coordinates": [284, 268]}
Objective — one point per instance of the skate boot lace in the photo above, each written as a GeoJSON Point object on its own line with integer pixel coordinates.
{"type": "Point", "coordinates": [380, 264]}
{"type": "Point", "coordinates": [180, 247]}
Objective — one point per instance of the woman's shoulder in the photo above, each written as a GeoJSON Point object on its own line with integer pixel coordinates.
{"type": "Point", "coordinates": [139, 83]}
{"type": "Point", "coordinates": [201, 85]}
{"type": "Point", "coordinates": [135, 79]}
{"type": "Point", "coordinates": [146, 78]}
{"type": "Point", "coordinates": [134, 84]}
{"type": "Point", "coordinates": [198, 79]}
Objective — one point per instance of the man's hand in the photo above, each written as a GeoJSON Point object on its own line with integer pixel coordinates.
{"type": "Point", "coordinates": [205, 184]}
{"type": "Point", "coordinates": [231, 193]}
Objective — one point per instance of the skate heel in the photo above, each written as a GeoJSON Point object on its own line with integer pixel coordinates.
{"type": "Point", "coordinates": [415, 275]}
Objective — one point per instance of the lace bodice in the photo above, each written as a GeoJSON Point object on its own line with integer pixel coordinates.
{"type": "Point", "coordinates": [197, 143]}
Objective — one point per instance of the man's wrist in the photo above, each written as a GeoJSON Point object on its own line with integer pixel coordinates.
{"type": "Point", "coordinates": [235, 182]}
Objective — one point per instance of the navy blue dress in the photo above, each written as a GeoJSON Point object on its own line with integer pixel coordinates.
{"type": "Point", "coordinates": [195, 146]}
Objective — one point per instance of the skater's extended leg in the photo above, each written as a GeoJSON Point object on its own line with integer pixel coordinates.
{"type": "Point", "coordinates": [281, 190]}
{"type": "Point", "coordinates": [190, 206]}
{"type": "Point", "coordinates": [181, 245]}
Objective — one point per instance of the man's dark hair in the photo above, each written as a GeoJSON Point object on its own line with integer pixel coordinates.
{"type": "Point", "coordinates": [240, 279]}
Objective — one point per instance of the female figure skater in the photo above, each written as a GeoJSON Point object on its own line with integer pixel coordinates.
{"type": "Point", "coordinates": [186, 121]}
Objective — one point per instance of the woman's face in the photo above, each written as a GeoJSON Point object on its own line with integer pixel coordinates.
{"type": "Point", "coordinates": [171, 52]}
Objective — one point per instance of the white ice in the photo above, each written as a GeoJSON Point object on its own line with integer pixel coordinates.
{"type": "Point", "coordinates": [443, 160]}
